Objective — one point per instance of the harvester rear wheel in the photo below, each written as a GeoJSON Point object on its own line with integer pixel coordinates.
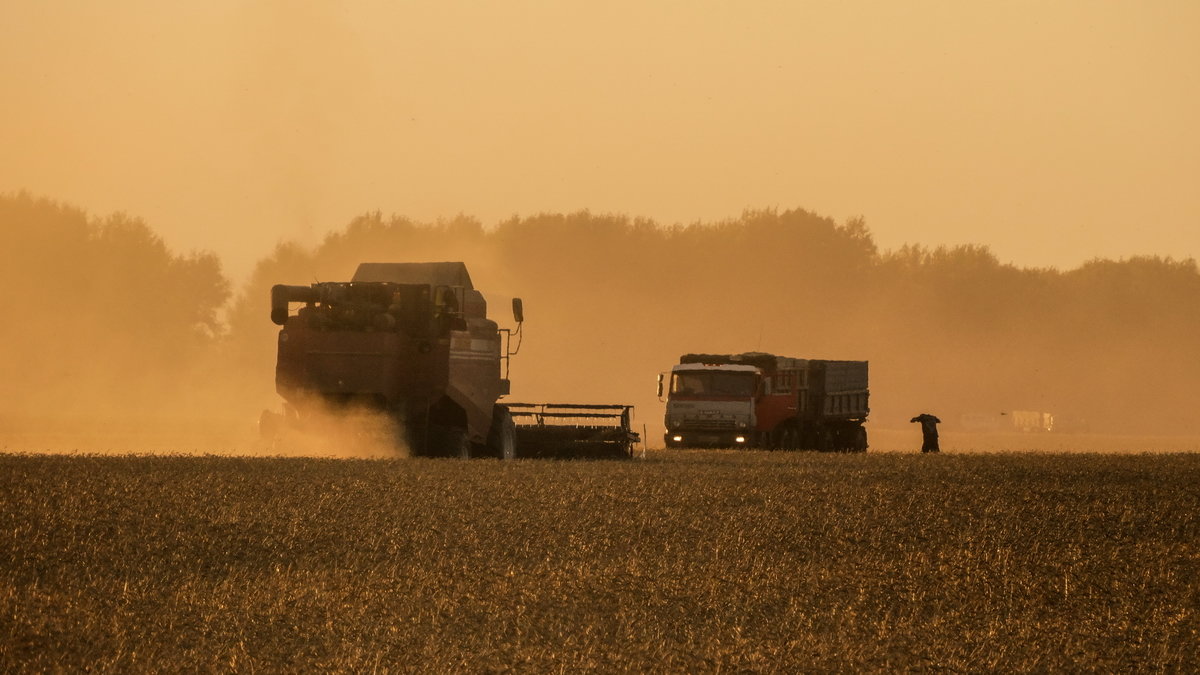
{"type": "Point", "coordinates": [269, 424]}
{"type": "Point", "coordinates": [502, 441]}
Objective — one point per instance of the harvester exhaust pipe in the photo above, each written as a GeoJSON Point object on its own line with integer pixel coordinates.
{"type": "Point", "coordinates": [282, 294]}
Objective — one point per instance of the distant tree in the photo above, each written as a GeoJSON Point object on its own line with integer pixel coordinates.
{"type": "Point", "coordinates": [100, 312]}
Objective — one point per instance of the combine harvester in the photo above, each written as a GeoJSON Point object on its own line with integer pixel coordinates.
{"type": "Point", "coordinates": [411, 342]}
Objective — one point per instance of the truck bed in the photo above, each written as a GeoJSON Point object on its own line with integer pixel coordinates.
{"type": "Point", "coordinates": [845, 376]}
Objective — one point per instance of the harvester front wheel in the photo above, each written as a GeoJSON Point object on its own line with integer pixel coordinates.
{"type": "Point", "coordinates": [458, 444]}
{"type": "Point", "coordinates": [448, 442]}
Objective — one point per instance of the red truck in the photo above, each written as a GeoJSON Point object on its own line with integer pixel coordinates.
{"type": "Point", "coordinates": [759, 400]}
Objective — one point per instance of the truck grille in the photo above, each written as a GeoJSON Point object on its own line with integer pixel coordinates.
{"type": "Point", "coordinates": [709, 424]}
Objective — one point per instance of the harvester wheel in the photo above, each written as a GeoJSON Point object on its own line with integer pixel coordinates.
{"type": "Point", "coordinates": [458, 444]}
{"type": "Point", "coordinates": [502, 441]}
{"type": "Point", "coordinates": [269, 424]}
{"type": "Point", "coordinates": [825, 440]}
{"type": "Point", "coordinates": [449, 442]}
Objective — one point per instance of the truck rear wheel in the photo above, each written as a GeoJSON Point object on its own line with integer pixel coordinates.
{"type": "Point", "coordinates": [825, 440]}
{"type": "Point", "coordinates": [860, 439]}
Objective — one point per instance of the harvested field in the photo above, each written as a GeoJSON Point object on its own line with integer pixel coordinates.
{"type": "Point", "coordinates": [683, 561]}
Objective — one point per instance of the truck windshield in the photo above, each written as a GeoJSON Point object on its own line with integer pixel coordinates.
{"type": "Point", "coordinates": [712, 383]}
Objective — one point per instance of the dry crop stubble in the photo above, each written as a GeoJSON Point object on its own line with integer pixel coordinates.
{"type": "Point", "coordinates": [684, 561]}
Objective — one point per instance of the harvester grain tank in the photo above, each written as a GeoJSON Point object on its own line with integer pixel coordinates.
{"type": "Point", "coordinates": [762, 400]}
{"type": "Point", "coordinates": [413, 343]}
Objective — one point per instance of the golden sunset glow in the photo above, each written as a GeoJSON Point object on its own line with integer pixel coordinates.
{"type": "Point", "coordinates": [1051, 132]}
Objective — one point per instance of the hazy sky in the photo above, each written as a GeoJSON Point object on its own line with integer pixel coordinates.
{"type": "Point", "coordinates": [1051, 131]}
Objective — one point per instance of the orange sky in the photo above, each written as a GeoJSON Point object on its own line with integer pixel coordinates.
{"type": "Point", "coordinates": [1053, 132]}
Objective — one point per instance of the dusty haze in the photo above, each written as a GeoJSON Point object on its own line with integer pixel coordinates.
{"type": "Point", "coordinates": [1001, 203]}
{"type": "Point", "coordinates": [121, 337]}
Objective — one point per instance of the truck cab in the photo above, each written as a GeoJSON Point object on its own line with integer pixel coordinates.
{"type": "Point", "coordinates": [711, 405]}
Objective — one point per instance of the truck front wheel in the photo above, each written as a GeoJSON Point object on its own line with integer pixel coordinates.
{"type": "Point", "coordinates": [790, 438]}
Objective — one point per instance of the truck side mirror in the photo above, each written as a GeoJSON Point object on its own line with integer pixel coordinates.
{"type": "Point", "coordinates": [518, 310]}
{"type": "Point", "coordinates": [660, 385]}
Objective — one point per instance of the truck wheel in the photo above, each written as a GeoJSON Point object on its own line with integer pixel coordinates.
{"type": "Point", "coordinates": [779, 439]}
{"type": "Point", "coordinates": [808, 439]}
{"type": "Point", "coordinates": [502, 441]}
{"type": "Point", "coordinates": [791, 438]}
{"type": "Point", "coordinates": [860, 439]}
{"type": "Point", "coordinates": [825, 440]}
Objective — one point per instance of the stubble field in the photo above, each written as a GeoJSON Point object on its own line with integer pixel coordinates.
{"type": "Point", "coordinates": [683, 561]}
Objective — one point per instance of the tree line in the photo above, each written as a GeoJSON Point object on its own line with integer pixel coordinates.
{"type": "Point", "coordinates": [99, 316]}
{"type": "Point", "coordinates": [109, 312]}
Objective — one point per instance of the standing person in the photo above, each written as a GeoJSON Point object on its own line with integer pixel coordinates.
{"type": "Point", "coordinates": [929, 435]}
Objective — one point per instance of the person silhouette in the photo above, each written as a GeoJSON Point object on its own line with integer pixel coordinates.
{"type": "Point", "coordinates": [929, 432]}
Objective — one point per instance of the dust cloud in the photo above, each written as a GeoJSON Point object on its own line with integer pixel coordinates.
{"type": "Point", "coordinates": [332, 432]}
{"type": "Point", "coordinates": [113, 342]}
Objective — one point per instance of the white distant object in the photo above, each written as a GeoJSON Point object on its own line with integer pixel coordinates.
{"type": "Point", "coordinates": [1027, 421]}
{"type": "Point", "coordinates": [1031, 420]}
